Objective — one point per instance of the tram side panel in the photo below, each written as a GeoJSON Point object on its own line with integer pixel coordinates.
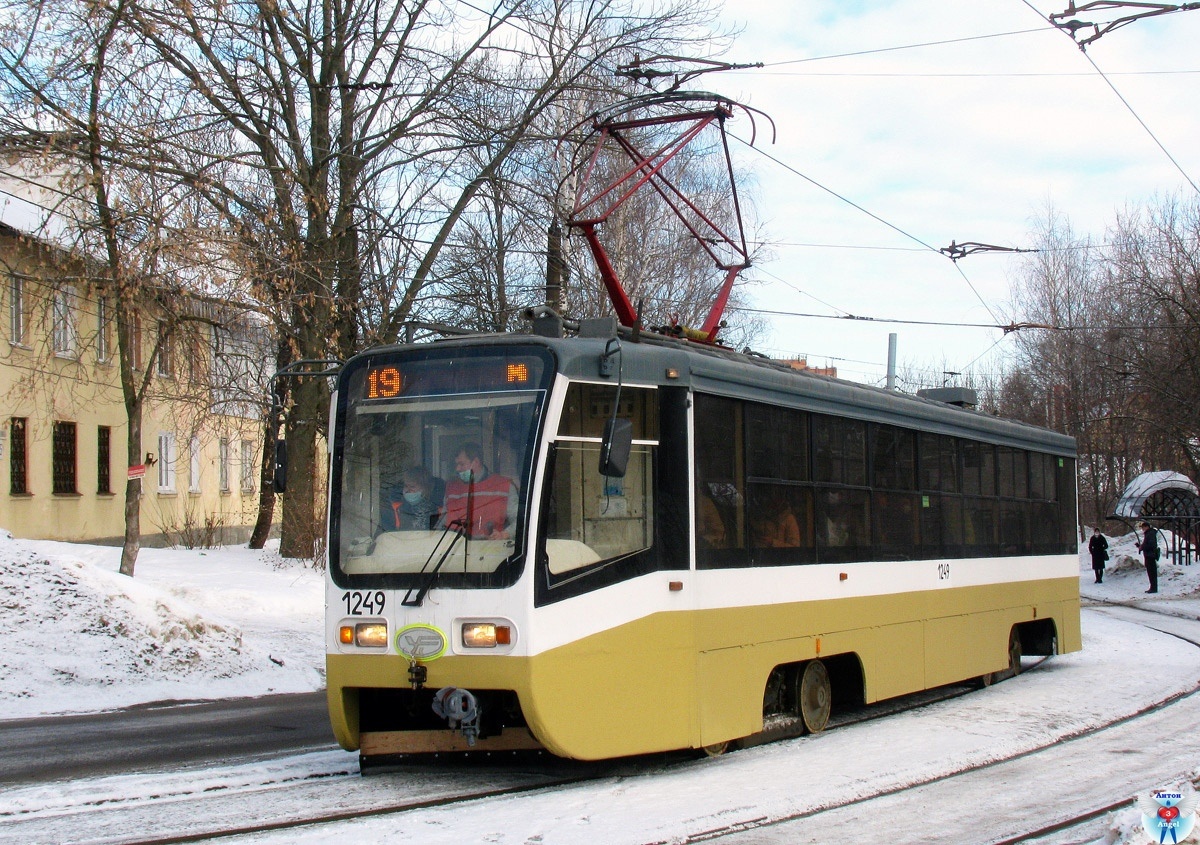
{"type": "Point", "coordinates": [614, 673]}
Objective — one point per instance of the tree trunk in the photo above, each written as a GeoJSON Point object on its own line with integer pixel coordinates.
{"type": "Point", "coordinates": [301, 526]}
{"type": "Point", "coordinates": [133, 492]}
{"type": "Point", "coordinates": [266, 484]}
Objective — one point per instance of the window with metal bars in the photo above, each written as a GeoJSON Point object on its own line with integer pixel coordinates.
{"type": "Point", "coordinates": [103, 459]}
{"type": "Point", "coordinates": [18, 463]}
{"type": "Point", "coordinates": [63, 460]}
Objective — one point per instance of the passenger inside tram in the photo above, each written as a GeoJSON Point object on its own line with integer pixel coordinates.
{"type": "Point", "coordinates": [775, 525]}
{"type": "Point", "coordinates": [416, 505]}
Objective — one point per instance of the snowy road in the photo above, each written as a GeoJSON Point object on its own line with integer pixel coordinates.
{"type": "Point", "coordinates": [1036, 737]}
{"type": "Point", "coordinates": [148, 735]}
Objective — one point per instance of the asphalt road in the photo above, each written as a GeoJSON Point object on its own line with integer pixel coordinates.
{"type": "Point", "coordinates": [157, 735]}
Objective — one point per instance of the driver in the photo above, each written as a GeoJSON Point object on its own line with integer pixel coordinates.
{"type": "Point", "coordinates": [484, 501]}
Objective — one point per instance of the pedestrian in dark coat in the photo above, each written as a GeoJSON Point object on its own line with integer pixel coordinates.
{"type": "Point", "coordinates": [1150, 554]}
{"type": "Point", "coordinates": [1098, 548]}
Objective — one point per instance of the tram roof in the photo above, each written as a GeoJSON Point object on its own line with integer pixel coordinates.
{"type": "Point", "coordinates": [728, 373]}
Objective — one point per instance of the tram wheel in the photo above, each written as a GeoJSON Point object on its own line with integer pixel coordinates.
{"type": "Point", "coordinates": [717, 749]}
{"type": "Point", "coordinates": [775, 695]}
{"type": "Point", "coordinates": [814, 697]}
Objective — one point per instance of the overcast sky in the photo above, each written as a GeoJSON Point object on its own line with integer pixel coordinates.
{"type": "Point", "coordinates": [947, 122]}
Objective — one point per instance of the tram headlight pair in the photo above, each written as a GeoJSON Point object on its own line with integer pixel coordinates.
{"type": "Point", "coordinates": [364, 634]}
{"type": "Point", "coordinates": [485, 635]}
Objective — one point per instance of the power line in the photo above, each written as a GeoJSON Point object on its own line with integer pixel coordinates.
{"type": "Point", "coordinates": [1070, 31]}
{"type": "Point", "coordinates": [872, 215]}
{"type": "Point", "coordinates": [992, 75]}
{"type": "Point", "coordinates": [905, 47]}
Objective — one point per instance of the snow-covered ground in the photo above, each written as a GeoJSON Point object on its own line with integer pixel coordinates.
{"type": "Point", "coordinates": [198, 624]}
{"type": "Point", "coordinates": [232, 622]}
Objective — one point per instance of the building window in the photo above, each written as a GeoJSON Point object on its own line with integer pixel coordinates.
{"type": "Point", "coordinates": [165, 363]}
{"type": "Point", "coordinates": [223, 470]}
{"type": "Point", "coordinates": [64, 321]}
{"type": "Point", "coordinates": [18, 463]}
{"type": "Point", "coordinates": [103, 459]}
{"type": "Point", "coordinates": [103, 319]}
{"type": "Point", "coordinates": [194, 465]}
{"type": "Point", "coordinates": [196, 360]}
{"type": "Point", "coordinates": [63, 461]}
{"type": "Point", "coordinates": [166, 462]}
{"type": "Point", "coordinates": [17, 315]}
{"type": "Point", "coordinates": [247, 466]}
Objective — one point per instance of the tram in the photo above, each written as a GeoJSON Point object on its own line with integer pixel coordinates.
{"type": "Point", "coordinates": [608, 542]}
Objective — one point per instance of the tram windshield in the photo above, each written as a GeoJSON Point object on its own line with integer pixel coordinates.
{"type": "Point", "coordinates": [432, 464]}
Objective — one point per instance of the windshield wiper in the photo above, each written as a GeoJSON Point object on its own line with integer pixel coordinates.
{"type": "Point", "coordinates": [459, 531]}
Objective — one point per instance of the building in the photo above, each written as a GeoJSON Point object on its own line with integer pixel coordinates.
{"type": "Point", "coordinates": [64, 458]}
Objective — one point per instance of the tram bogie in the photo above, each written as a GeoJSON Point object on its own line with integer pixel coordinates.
{"type": "Point", "coordinates": [775, 546]}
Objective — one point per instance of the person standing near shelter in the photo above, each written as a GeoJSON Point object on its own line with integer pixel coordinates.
{"type": "Point", "coordinates": [1150, 554]}
{"type": "Point", "coordinates": [1098, 548]}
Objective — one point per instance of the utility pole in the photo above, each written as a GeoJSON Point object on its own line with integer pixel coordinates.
{"type": "Point", "coordinates": [1147, 10]}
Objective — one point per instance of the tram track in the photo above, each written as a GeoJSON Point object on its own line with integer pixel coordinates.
{"type": "Point", "coordinates": [734, 832]}
{"type": "Point", "coordinates": [378, 798]}
{"type": "Point", "coordinates": [211, 824]}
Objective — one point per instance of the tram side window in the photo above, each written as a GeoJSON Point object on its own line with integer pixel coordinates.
{"type": "Point", "coordinates": [720, 495]}
{"type": "Point", "coordinates": [1020, 473]}
{"type": "Point", "coordinates": [776, 443]}
{"type": "Point", "coordinates": [1066, 504]}
{"type": "Point", "coordinates": [893, 458]}
{"type": "Point", "coordinates": [948, 458]}
{"type": "Point", "coordinates": [592, 520]}
{"type": "Point", "coordinates": [1044, 528]}
{"type": "Point", "coordinates": [1037, 476]}
{"type": "Point", "coordinates": [979, 527]}
{"type": "Point", "coordinates": [953, 527]}
{"type": "Point", "coordinates": [1014, 528]}
{"type": "Point", "coordinates": [1006, 486]}
{"type": "Point", "coordinates": [839, 451]}
{"type": "Point", "coordinates": [843, 525]}
{"type": "Point", "coordinates": [782, 523]}
{"type": "Point", "coordinates": [972, 459]}
{"type": "Point", "coordinates": [987, 470]}
{"type": "Point", "coordinates": [779, 504]}
{"type": "Point", "coordinates": [930, 462]}
{"type": "Point", "coordinates": [894, 530]}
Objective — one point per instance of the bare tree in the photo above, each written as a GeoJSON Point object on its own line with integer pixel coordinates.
{"type": "Point", "coordinates": [77, 90]}
{"type": "Point", "coordinates": [1123, 375]}
{"type": "Point", "coordinates": [367, 130]}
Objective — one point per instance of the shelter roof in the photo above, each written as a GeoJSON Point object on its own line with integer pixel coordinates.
{"type": "Point", "coordinates": [1163, 494]}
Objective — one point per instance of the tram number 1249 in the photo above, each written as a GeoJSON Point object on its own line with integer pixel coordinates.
{"type": "Point", "coordinates": [364, 604]}
{"type": "Point", "coordinates": [943, 572]}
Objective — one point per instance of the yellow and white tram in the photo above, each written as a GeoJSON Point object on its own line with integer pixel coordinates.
{"type": "Point", "coordinates": [765, 544]}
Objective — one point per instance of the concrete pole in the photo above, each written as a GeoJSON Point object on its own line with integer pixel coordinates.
{"type": "Point", "coordinates": [891, 369]}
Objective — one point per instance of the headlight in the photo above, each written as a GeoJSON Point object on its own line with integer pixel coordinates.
{"type": "Point", "coordinates": [364, 634]}
{"type": "Point", "coordinates": [485, 634]}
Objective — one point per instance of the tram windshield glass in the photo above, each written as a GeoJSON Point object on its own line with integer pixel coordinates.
{"type": "Point", "coordinates": [432, 463]}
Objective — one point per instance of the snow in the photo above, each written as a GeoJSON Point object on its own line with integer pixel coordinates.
{"type": "Point", "coordinates": [191, 624]}
{"type": "Point", "coordinates": [204, 624]}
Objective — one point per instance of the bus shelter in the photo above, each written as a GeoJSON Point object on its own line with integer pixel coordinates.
{"type": "Point", "coordinates": [1170, 502]}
